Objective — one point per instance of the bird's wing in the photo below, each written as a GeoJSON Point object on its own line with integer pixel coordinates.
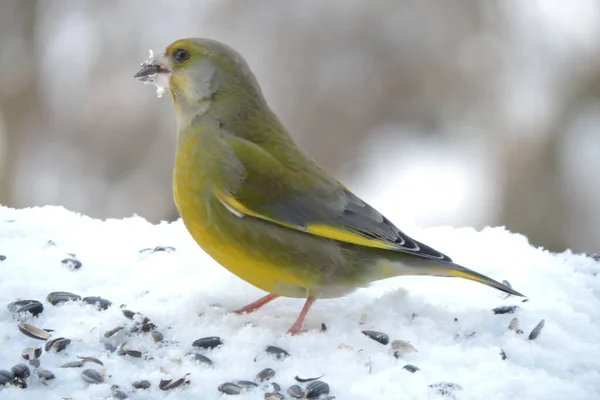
{"type": "Point", "coordinates": [318, 205]}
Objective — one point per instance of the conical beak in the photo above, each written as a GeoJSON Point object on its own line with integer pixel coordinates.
{"type": "Point", "coordinates": [147, 70]}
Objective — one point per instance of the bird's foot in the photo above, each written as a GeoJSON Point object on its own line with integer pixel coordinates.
{"type": "Point", "coordinates": [256, 304]}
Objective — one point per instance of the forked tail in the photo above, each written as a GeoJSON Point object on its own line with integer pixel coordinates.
{"type": "Point", "coordinates": [451, 269]}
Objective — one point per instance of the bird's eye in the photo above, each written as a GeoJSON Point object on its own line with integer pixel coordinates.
{"type": "Point", "coordinates": [181, 55]}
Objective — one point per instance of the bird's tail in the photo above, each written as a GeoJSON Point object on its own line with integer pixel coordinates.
{"type": "Point", "coordinates": [451, 269]}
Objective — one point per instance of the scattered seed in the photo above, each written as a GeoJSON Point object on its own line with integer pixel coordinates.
{"type": "Point", "coordinates": [277, 352]}
{"type": "Point", "coordinates": [276, 386]}
{"type": "Point", "coordinates": [73, 364]}
{"type": "Point", "coordinates": [130, 353]}
{"type": "Point", "coordinates": [119, 394]}
{"type": "Point", "coordinates": [377, 336]}
{"type": "Point", "coordinates": [199, 358]}
{"type": "Point", "coordinates": [99, 302]}
{"type": "Point", "coordinates": [315, 389]}
{"type": "Point", "coordinates": [537, 330]}
{"type": "Point", "coordinates": [6, 376]}
{"type": "Point", "coordinates": [2, 257]}
{"type": "Point", "coordinates": [108, 334]}
{"type": "Point", "coordinates": [411, 368]}
{"type": "Point", "coordinates": [31, 353]}
{"type": "Point", "coordinates": [229, 388]}
{"type": "Point", "coordinates": [21, 371]}
{"type": "Point", "coordinates": [71, 263]}
{"type": "Point", "coordinates": [150, 250]}
{"type": "Point", "coordinates": [143, 384]}
{"type": "Point", "coordinates": [57, 344]}
{"type": "Point", "coordinates": [445, 388]}
{"type": "Point", "coordinates": [400, 347]}
{"type": "Point", "coordinates": [90, 359]}
{"type": "Point", "coordinates": [505, 309]}
{"type": "Point", "coordinates": [246, 384]}
{"type": "Point", "coordinates": [33, 307]}
{"type": "Point", "coordinates": [128, 314]}
{"type": "Point", "coordinates": [157, 336]}
{"type": "Point", "coordinates": [502, 354]}
{"type": "Point", "coordinates": [304, 380]}
{"type": "Point", "coordinates": [55, 298]}
{"type": "Point", "coordinates": [33, 331]}
{"type": "Point", "coordinates": [168, 384]}
{"type": "Point", "coordinates": [274, 396]}
{"type": "Point", "coordinates": [92, 376]}
{"type": "Point", "coordinates": [147, 326]}
{"type": "Point", "coordinates": [44, 374]}
{"type": "Point", "coordinates": [323, 327]}
{"type": "Point", "coordinates": [209, 342]}
{"type": "Point", "coordinates": [265, 374]}
{"type": "Point", "coordinates": [295, 391]}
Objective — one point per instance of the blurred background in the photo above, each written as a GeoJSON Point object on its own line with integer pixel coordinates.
{"type": "Point", "coordinates": [462, 113]}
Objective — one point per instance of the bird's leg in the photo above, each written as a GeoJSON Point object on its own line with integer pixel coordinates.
{"type": "Point", "coordinates": [297, 327]}
{"type": "Point", "coordinates": [257, 304]}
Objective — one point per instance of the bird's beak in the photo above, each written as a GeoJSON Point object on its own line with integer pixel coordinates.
{"type": "Point", "coordinates": [147, 70]}
{"type": "Point", "coordinates": [155, 70]}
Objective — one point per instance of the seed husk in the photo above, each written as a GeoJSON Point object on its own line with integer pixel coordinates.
{"type": "Point", "coordinates": [71, 263]}
{"type": "Point", "coordinates": [55, 298]}
{"type": "Point", "coordinates": [201, 358]}
{"type": "Point", "coordinates": [304, 380]}
{"type": "Point", "coordinates": [92, 376]}
{"type": "Point", "coordinates": [44, 374]}
{"type": "Point", "coordinates": [246, 384]}
{"type": "Point", "coordinates": [379, 337]}
{"type": "Point", "coordinates": [295, 391]}
{"type": "Point", "coordinates": [119, 394]}
{"type": "Point", "coordinates": [130, 353]}
{"type": "Point", "coordinates": [128, 314]}
{"type": "Point", "coordinates": [143, 384]}
{"type": "Point", "coordinates": [57, 344]}
{"type": "Point", "coordinates": [33, 307]}
{"type": "Point", "coordinates": [6, 376]}
{"type": "Point", "coordinates": [411, 368]}
{"type": "Point", "coordinates": [168, 384]}
{"type": "Point", "coordinates": [99, 302]}
{"type": "Point", "coordinates": [505, 309]}
{"type": "Point", "coordinates": [90, 359]}
{"type": "Point", "coordinates": [230, 388]}
{"type": "Point", "coordinates": [33, 331]}
{"type": "Point", "coordinates": [209, 342]}
{"type": "Point", "coordinates": [31, 353]}
{"type": "Point", "coordinates": [279, 353]}
{"type": "Point", "coordinates": [400, 347]}
{"type": "Point", "coordinates": [274, 396]}
{"type": "Point", "coordinates": [21, 371]}
{"type": "Point", "coordinates": [537, 330]}
{"type": "Point", "coordinates": [111, 332]}
{"type": "Point", "coordinates": [265, 374]}
{"type": "Point", "coordinates": [316, 389]}
{"type": "Point", "coordinates": [73, 364]}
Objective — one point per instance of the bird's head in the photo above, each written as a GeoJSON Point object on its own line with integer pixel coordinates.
{"type": "Point", "coordinates": [195, 71]}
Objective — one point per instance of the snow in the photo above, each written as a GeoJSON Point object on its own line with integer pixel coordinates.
{"type": "Point", "coordinates": [188, 296]}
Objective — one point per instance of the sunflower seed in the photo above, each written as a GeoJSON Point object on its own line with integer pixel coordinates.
{"type": "Point", "coordinates": [55, 298]}
{"type": "Point", "coordinates": [143, 384]}
{"type": "Point", "coordinates": [265, 375]}
{"type": "Point", "coordinates": [57, 344]}
{"type": "Point", "coordinates": [31, 353]}
{"type": "Point", "coordinates": [168, 384]}
{"type": "Point", "coordinates": [119, 394]}
{"type": "Point", "coordinates": [2, 257]}
{"type": "Point", "coordinates": [411, 368]}
{"type": "Point", "coordinates": [92, 376]}
{"type": "Point", "coordinates": [505, 309]}
{"type": "Point", "coordinates": [90, 359]}
{"type": "Point", "coordinates": [246, 384]}
{"type": "Point", "coordinates": [73, 364]}
{"type": "Point", "coordinates": [323, 327]}
{"type": "Point", "coordinates": [502, 354]}
{"type": "Point", "coordinates": [33, 331]}
{"type": "Point", "coordinates": [377, 336]}
{"type": "Point", "coordinates": [33, 307]}
{"type": "Point", "coordinates": [295, 391]}
{"type": "Point", "coordinates": [400, 347]}
{"type": "Point", "coordinates": [277, 352]}
{"type": "Point", "coordinates": [6, 376]}
{"type": "Point", "coordinates": [304, 380]}
{"type": "Point", "coordinates": [276, 386]}
{"type": "Point", "coordinates": [130, 353]}
{"type": "Point", "coordinates": [99, 302]}
{"type": "Point", "coordinates": [209, 342]}
{"type": "Point", "coordinates": [128, 314]}
{"type": "Point", "coordinates": [157, 336]}
{"type": "Point", "coordinates": [21, 371]}
{"type": "Point", "coordinates": [315, 389]}
{"type": "Point", "coordinates": [147, 326]}
{"type": "Point", "coordinates": [274, 396]}
{"type": "Point", "coordinates": [445, 388]}
{"type": "Point", "coordinates": [199, 358]}
{"type": "Point", "coordinates": [108, 334]}
{"type": "Point", "coordinates": [229, 388]}
{"type": "Point", "coordinates": [537, 330]}
{"type": "Point", "coordinates": [71, 263]}
{"type": "Point", "coordinates": [44, 374]}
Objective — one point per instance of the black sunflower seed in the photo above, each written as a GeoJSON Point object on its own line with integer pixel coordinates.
{"type": "Point", "coordinates": [277, 352]}
{"type": "Point", "coordinates": [209, 342]}
{"type": "Point", "coordinates": [230, 388]}
{"type": "Point", "coordinates": [143, 384]}
{"type": "Point", "coordinates": [55, 298]}
{"type": "Point", "coordinates": [379, 337]}
{"type": "Point", "coordinates": [99, 302]}
{"type": "Point", "coordinates": [411, 368]}
{"type": "Point", "coordinates": [33, 307]}
{"type": "Point", "coordinates": [265, 374]}
{"type": "Point", "coordinates": [92, 376]}
{"type": "Point", "coordinates": [537, 330]}
{"type": "Point", "coordinates": [505, 309]}
{"type": "Point", "coordinates": [71, 263]}
{"type": "Point", "coordinates": [315, 389]}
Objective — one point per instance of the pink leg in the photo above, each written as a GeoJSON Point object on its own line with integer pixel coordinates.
{"type": "Point", "coordinates": [297, 327]}
{"type": "Point", "coordinates": [257, 304]}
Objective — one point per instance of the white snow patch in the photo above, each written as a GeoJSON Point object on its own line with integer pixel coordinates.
{"type": "Point", "coordinates": [188, 296]}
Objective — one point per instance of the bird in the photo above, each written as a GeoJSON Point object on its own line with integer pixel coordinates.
{"type": "Point", "coordinates": [259, 205]}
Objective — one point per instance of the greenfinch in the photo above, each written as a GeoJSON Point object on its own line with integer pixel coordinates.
{"type": "Point", "coordinates": [260, 206]}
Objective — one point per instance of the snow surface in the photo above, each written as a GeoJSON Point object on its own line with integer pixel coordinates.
{"type": "Point", "coordinates": [188, 296]}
